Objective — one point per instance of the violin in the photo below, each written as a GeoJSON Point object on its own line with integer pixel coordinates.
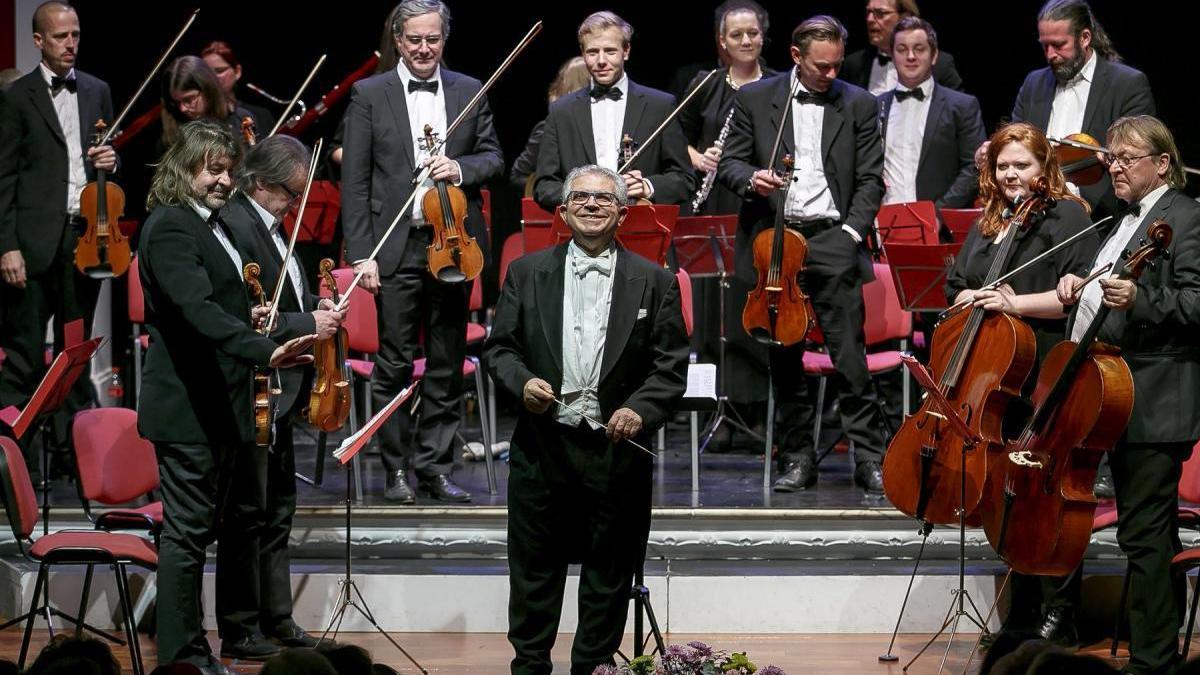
{"type": "Point", "coordinates": [1077, 157]}
{"type": "Point", "coordinates": [102, 251]}
{"type": "Point", "coordinates": [777, 311]}
{"type": "Point", "coordinates": [454, 256]}
{"type": "Point", "coordinates": [1043, 478]}
{"type": "Point", "coordinates": [264, 391]}
{"type": "Point", "coordinates": [329, 402]}
{"type": "Point", "coordinates": [980, 360]}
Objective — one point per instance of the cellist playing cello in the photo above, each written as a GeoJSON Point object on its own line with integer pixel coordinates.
{"type": "Point", "coordinates": [1154, 326]}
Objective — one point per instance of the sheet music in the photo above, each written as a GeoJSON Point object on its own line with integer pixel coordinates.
{"type": "Point", "coordinates": [354, 442]}
{"type": "Point", "coordinates": [701, 381]}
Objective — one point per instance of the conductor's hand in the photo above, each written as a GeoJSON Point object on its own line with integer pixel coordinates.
{"type": "Point", "coordinates": [442, 167]}
{"type": "Point", "coordinates": [103, 157]}
{"type": "Point", "coordinates": [1067, 291]}
{"type": "Point", "coordinates": [291, 353]}
{"type": "Point", "coordinates": [537, 395]}
{"type": "Point", "coordinates": [12, 268]}
{"type": "Point", "coordinates": [623, 424]}
{"type": "Point", "coordinates": [370, 277]}
{"type": "Point", "coordinates": [766, 181]}
{"type": "Point", "coordinates": [327, 322]}
{"type": "Point", "coordinates": [1119, 293]}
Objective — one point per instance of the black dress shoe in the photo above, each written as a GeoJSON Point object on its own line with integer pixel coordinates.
{"type": "Point", "coordinates": [869, 477]}
{"type": "Point", "coordinates": [443, 489]}
{"type": "Point", "coordinates": [1103, 488]}
{"type": "Point", "coordinates": [1058, 626]}
{"type": "Point", "coordinates": [289, 634]}
{"type": "Point", "coordinates": [249, 648]}
{"type": "Point", "coordinates": [800, 474]}
{"type": "Point", "coordinates": [397, 489]}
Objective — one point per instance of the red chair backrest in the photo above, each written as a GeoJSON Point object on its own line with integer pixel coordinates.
{"type": "Point", "coordinates": [1189, 482]}
{"type": "Point", "coordinates": [514, 247]}
{"type": "Point", "coordinates": [137, 301]}
{"type": "Point", "coordinates": [535, 226]}
{"type": "Point", "coordinates": [476, 302]}
{"type": "Point", "coordinates": [486, 197]}
{"type": "Point", "coordinates": [884, 317]}
{"type": "Point", "coordinates": [908, 222]}
{"type": "Point", "coordinates": [361, 324]}
{"type": "Point", "coordinates": [685, 299]}
{"type": "Point", "coordinates": [20, 501]}
{"type": "Point", "coordinates": [959, 221]}
{"type": "Point", "coordinates": [320, 213]}
{"type": "Point", "coordinates": [116, 465]}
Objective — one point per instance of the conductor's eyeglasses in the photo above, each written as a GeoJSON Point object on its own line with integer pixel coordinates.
{"type": "Point", "coordinates": [581, 197]}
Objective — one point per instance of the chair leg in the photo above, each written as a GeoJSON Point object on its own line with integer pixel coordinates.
{"type": "Point", "coordinates": [660, 439]}
{"type": "Point", "coordinates": [137, 366]}
{"type": "Point", "coordinates": [1187, 640]}
{"type": "Point", "coordinates": [135, 651]}
{"type": "Point", "coordinates": [319, 470]}
{"type": "Point", "coordinates": [83, 600]}
{"type": "Point", "coordinates": [485, 428]}
{"type": "Point", "coordinates": [694, 418]}
{"type": "Point", "coordinates": [1120, 612]}
{"type": "Point", "coordinates": [33, 612]}
{"type": "Point", "coordinates": [820, 411]}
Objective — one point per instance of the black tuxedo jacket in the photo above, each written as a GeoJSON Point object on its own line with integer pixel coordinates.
{"type": "Point", "coordinates": [644, 367]}
{"type": "Point", "coordinates": [378, 162]}
{"type": "Point", "coordinates": [254, 243]}
{"type": "Point", "coordinates": [34, 166]}
{"type": "Point", "coordinates": [856, 68]}
{"type": "Point", "coordinates": [1117, 90]}
{"type": "Point", "coordinates": [567, 143]}
{"type": "Point", "coordinates": [1157, 336]}
{"type": "Point", "coordinates": [946, 172]}
{"type": "Point", "coordinates": [197, 386]}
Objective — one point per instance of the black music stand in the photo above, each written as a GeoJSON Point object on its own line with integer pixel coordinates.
{"type": "Point", "coordinates": [49, 396]}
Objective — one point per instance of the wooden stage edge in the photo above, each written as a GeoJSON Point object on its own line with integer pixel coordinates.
{"type": "Point", "coordinates": [489, 653]}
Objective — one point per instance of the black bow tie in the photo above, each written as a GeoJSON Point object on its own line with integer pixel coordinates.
{"type": "Point", "coordinates": [600, 91]}
{"type": "Point", "coordinates": [57, 83]}
{"type": "Point", "coordinates": [813, 97]}
{"type": "Point", "coordinates": [430, 86]}
{"type": "Point", "coordinates": [883, 59]}
{"type": "Point", "coordinates": [1134, 210]}
{"type": "Point", "coordinates": [903, 95]}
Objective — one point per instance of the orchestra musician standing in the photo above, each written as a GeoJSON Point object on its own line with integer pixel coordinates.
{"type": "Point", "coordinates": [191, 91]}
{"type": "Point", "coordinates": [832, 132]}
{"type": "Point", "coordinates": [383, 150]}
{"type": "Point", "coordinates": [228, 68]}
{"type": "Point", "coordinates": [872, 67]}
{"type": "Point", "coordinates": [572, 76]}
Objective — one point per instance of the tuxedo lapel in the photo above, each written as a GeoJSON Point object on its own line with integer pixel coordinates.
{"type": "Point", "coordinates": [548, 292]}
{"type": "Point", "coordinates": [452, 93]}
{"type": "Point", "coordinates": [89, 111]}
{"type": "Point", "coordinates": [780, 105]}
{"type": "Point", "coordinates": [394, 90]}
{"type": "Point", "coordinates": [38, 92]}
{"type": "Point", "coordinates": [1043, 100]}
{"type": "Point", "coordinates": [623, 312]}
{"type": "Point", "coordinates": [1100, 82]}
{"type": "Point", "coordinates": [833, 121]}
{"type": "Point", "coordinates": [581, 111]}
{"type": "Point", "coordinates": [635, 108]}
{"type": "Point", "coordinates": [933, 123]}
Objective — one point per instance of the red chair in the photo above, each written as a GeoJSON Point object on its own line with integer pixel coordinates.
{"type": "Point", "coordinates": [907, 222]}
{"type": "Point", "coordinates": [476, 331]}
{"type": "Point", "coordinates": [514, 247]}
{"type": "Point", "coordinates": [535, 226]}
{"type": "Point", "coordinates": [116, 466]}
{"type": "Point", "coordinates": [960, 221]}
{"type": "Point", "coordinates": [137, 317]}
{"type": "Point", "coordinates": [68, 547]}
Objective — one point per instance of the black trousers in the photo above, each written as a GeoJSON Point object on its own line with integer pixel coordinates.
{"type": "Point", "coordinates": [833, 280]}
{"type": "Point", "coordinates": [415, 307]}
{"type": "Point", "coordinates": [1146, 477]}
{"type": "Point", "coordinates": [202, 504]}
{"type": "Point", "coordinates": [579, 500]}
{"type": "Point", "coordinates": [253, 571]}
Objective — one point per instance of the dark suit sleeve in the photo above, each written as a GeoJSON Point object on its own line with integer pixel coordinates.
{"type": "Point", "coordinates": [291, 325]}
{"type": "Point", "coordinates": [691, 118]}
{"type": "Point", "coordinates": [10, 131]}
{"type": "Point", "coordinates": [655, 400]}
{"type": "Point", "coordinates": [1077, 258]}
{"type": "Point", "coordinates": [956, 279]}
{"type": "Point", "coordinates": [526, 163]}
{"type": "Point", "coordinates": [868, 168]}
{"type": "Point", "coordinates": [1139, 100]}
{"type": "Point", "coordinates": [1020, 111]}
{"type": "Point", "coordinates": [485, 161]}
{"type": "Point", "coordinates": [188, 287]}
{"type": "Point", "coordinates": [968, 121]}
{"type": "Point", "coordinates": [1178, 304]}
{"type": "Point", "coordinates": [356, 178]}
{"type": "Point", "coordinates": [735, 169]}
{"type": "Point", "coordinates": [547, 191]}
{"type": "Point", "coordinates": [675, 182]}
{"type": "Point", "coordinates": [947, 73]}
{"type": "Point", "coordinates": [505, 352]}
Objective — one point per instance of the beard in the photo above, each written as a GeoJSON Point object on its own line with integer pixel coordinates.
{"type": "Point", "coordinates": [214, 199]}
{"type": "Point", "coordinates": [1066, 71]}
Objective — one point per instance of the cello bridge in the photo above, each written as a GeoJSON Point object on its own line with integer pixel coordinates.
{"type": "Point", "coordinates": [1024, 458]}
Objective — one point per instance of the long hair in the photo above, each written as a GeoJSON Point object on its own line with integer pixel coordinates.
{"type": "Point", "coordinates": [990, 191]}
{"type": "Point", "coordinates": [199, 142]}
{"type": "Point", "coordinates": [1150, 132]}
{"type": "Point", "coordinates": [190, 73]}
{"type": "Point", "coordinates": [272, 161]}
{"type": "Point", "coordinates": [1079, 13]}
{"type": "Point", "coordinates": [572, 75]}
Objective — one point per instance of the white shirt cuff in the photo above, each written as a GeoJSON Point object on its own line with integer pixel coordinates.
{"type": "Point", "coordinates": [649, 188]}
{"type": "Point", "coordinates": [853, 234]}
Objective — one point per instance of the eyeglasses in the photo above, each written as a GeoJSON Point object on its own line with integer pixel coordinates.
{"type": "Point", "coordinates": [880, 13]}
{"type": "Point", "coordinates": [581, 197]}
{"type": "Point", "coordinates": [186, 100]}
{"type": "Point", "coordinates": [1122, 162]}
{"type": "Point", "coordinates": [292, 194]}
{"type": "Point", "coordinates": [417, 40]}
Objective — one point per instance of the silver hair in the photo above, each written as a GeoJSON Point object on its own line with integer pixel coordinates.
{"type": "Point", "coordinates": [596, 170]}
{"type": "Point", "coordinates": [273, 161]}
{"type": "Point", "coordinates": [413, 8]}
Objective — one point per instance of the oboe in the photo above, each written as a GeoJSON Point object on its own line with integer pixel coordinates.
{"type": "Point", "coordinates": [711, 175]}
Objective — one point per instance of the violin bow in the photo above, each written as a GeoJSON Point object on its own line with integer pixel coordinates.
{"type": "Point", "coordinates": [292, 104]}
{"type": "Point", "coordinates": [421, 173]}
{"type": "Point", "coordinates": [283, 266]}
{"type": "Point", "coordinates": [650, 139]}
{"type": "Point", "coordinates": [787, 112]}
{"type": "Point", "coordinates": [112, 128]}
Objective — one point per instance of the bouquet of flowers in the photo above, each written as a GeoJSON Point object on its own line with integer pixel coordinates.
{"type": "Point", "coordinates": [694, 658]}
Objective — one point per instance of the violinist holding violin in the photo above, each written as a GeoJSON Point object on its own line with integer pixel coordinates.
{"type": "Point", "coordinates": [45, 161]}
{"type": "Point", "coordinates": [1154, 324]}
{"type": "Point", "coordinates": [384, 147]}
{"type": "Point", "coordinates": [834, 192]}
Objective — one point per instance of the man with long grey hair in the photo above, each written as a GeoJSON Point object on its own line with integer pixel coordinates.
{"type": "Point", "coordinates": [590, 338]}
{"type": "Point", "coordinates": [197, 403]}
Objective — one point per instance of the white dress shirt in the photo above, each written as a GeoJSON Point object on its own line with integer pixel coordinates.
{"type": "Point", "coordinates": [219, 232]}
{"type": "Point", "coordinates": [587, 297]}
{"type": "Point", "coordinates": [423, 108]}
{"type": "Point", "coordinates": [66, 108]}
{"type": "Point", "coordinates": [272, 224]}
{"type": "Point", "coordinates": [1070, 102]}
{"type": "Point", "coordinates": [608, 119]}
{"type": "Point", "coordinates": [808, 195]}
{"type": "Point", "coordinates": [1110, 253]}
{"type": "Point", "coordinates": [883, 77]}
{"type": "Point", "coordinates": [902, 144]}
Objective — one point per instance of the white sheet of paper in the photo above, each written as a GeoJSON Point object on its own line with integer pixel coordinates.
{"type": "Point", "coordinates": [701, 381]}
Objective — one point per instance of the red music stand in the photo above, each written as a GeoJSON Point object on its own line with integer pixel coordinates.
{"type": "Point", "coordinates": [959, 221]}
{"type": "Point", "coordinates": [704, 244]}
{"type": "Point", "coordinates": [907, 222]}
{"type": "Point", "coordinates": [920, 273]}
{"type": "Point", "coordinates": [320, 214]}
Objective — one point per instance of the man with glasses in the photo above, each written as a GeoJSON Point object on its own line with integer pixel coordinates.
{"type": "Point", "coordinates": [590, 339]}
{"type": "Point", "coordinates": [589, 125]}
{"type": "Point", "coordinates": [1154, 323]}
{"type": "Point", "coordinates": [872, 67]}
{"type": "Point", "coordinates": [383, 149]}
{"type": "Point", "coordinates": [254, 607]}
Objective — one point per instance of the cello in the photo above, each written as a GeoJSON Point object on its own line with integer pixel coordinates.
{"type": "Point", "coordinates": [102, 251]}
{"type": "Point", "coordinates": [1043, 478]}
{"type": "Point", "coordinates": [454, 256]}
{"type": "Point", "coordinates": [930, 472]}
{"type": "Point", "coordinates": [329, 401]}
{"type": "Point", "coordinates": [264, 391]}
